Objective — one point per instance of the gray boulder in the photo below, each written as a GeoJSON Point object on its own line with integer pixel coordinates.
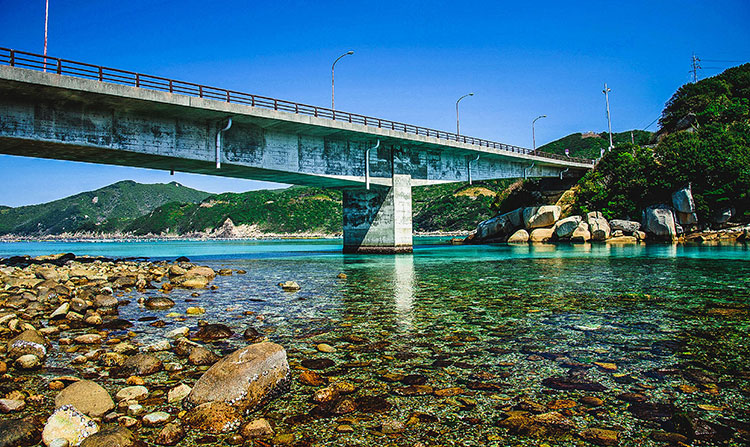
{"type": "Point", "coordinates": [540, 216]}
{"type": "Point", "coordinates": [564, 228]}
{"type": "Point", "coordinates": [723, 216]}
{"type": "Point", "coordinates": [683, 202]}
{"type": "Point", "coordinates": [244, 378]}
{"type": "Point", "coordinates": [598, 226]}
{"type": "Point", "coordinates": [626, 226]}
{"type": "Point", "coordinates": [659, 221]}
{"type": "Point", "coordinates": [499, 227]}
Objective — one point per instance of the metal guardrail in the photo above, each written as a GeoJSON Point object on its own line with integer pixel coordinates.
{"type": "Point", "coordinates": [23, 59]}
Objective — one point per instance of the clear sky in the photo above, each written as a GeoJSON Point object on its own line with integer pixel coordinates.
{"type": "Point", "coordinates": [412, 61]}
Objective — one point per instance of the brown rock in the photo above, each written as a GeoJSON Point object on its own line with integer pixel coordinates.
{"type": "Point", "coordinates": [600, 436]}
{"type": "Point", "coordinates": [200, 356]}
{"type": "Point", "coordinates": [244, 378]}
{"type": "Point", "coordinates": [258, 428]}
{"type": "Point", "coordinates": [115, 437]}
{"type": "Point", "coordinates": [311, 378]}
{"type": "Point", "coordinates": [87, 397]}
{"type": "Point", "coordinates": [171, 434]}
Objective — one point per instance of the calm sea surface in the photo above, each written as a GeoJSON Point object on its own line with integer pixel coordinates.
{"type": "Point", "coordinates": [494, 321]}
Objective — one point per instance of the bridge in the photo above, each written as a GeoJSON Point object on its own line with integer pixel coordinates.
{"type": "Point", "coordinates": [61, 109]}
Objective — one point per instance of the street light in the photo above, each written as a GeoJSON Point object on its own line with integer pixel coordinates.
{"type": "Point", "coordinates": [459, 100]}
{"type": "Point", "coordinates": [533, 134]}
{"type": "Point", "coordinates": [609, 121]}
{"type": "Point", "coordinates": [332, 67]}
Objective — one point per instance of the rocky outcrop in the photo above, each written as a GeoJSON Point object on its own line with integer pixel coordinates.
{"type": "Point", "coordinates": [658, 220]}
{"type": "Point", "coordinates": [244, 378]}
{"type": "Point", "coordinates": [541, 216]}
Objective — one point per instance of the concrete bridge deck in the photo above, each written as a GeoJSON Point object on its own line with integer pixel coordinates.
{"type": "Point", "coordinates": [54, 108]}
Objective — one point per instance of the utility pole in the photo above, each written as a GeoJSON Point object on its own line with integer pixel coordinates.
{"type": "Point", "coordinates": [609, 120]}
{"type": "Point", "coordinates": [696, 65]}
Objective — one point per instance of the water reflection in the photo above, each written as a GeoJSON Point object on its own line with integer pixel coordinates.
{"type": "Point", "coordinates": [403, 290]}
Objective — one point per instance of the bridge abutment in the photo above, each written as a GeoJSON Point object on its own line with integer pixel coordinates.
{"type": "Point", "coordinates": [378, 220]}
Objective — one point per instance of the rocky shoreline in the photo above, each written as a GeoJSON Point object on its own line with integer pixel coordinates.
{"type": "Point", "coordinates": [676, 222]}
{"type": "Point", "coordinates": [118, 389]}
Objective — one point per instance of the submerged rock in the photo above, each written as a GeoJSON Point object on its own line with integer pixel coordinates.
{"type": "Point", "coordinates": [212, 332]}
{"type": "Point", "coordinates": [113, 437]}
{"type": "Point", "coordinates": [600, 436]}
{"type": "Point", "coordinates": [244, 378]}
{"type": "Point", "coordinates": [171, 434]}
{"type": "Point", "coordinates": [159, 303]}
{"type": "Point", "coordinates": [20, 432]}
{"type": "Point", "coordinates": [138, 365]}
{"type": "Point", "coordinates": [87, 397]}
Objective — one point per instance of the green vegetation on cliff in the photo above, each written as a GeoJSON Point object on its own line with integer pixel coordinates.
{"type": "Point", "coordinates": [106, 209]}
{"type": "Point", "coordinates": [705, 143]}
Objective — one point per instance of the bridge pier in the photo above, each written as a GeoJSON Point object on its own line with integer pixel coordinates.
{"type": "Point", "coordinates": [378, 220]}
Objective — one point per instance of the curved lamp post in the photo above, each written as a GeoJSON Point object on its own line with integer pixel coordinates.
{"type": "Point", "coordinates": [332, 67]}
{"type": "Point", "coordinates": [533, 133]}
{"type": "Point", "coordinates": [458, 132]}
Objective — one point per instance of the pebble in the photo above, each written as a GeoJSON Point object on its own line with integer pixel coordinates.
{"type": "Point", "coordinates": [171, 434]}
{"type": "Point", "coordinates": [28, 361]}
{"type": "Point", "coordinates": [344, 428]}
{"type": "Point", "coordinates": [59, 442]}
{"type": "Point", "coordinates": [258, 428]}
{"type": "Point", "coordinates": [156, 418]}
{"type": "Point", "coordinates": [178, 393]}
{"type": "Point", "coordinates": [132, 393]}
{"type": "Point", "coordinates": [195, 310]}
{"type": "Point", "coordinates": [135, 410]}
{"type": "Point", "coordinates": [323, 347]}
{"type": "Point", "coordinates": [182, 331]}
{"type": "Point", "coordinates": [11, 405]}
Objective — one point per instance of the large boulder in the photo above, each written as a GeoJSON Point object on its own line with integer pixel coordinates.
{"type": "Point", "coordinates": [598, 226]}
{"type": "Point", "coordinates": [499, 227]}
{"type": "Point", "coordinates": [581, 233]}
{"type": "Point", "coordinates": [723, 216]}
{"type": "Point", "coordinates": [564, 228]}
{"type": "Point", "coordinates": [20, 432]}
{"type": "Point", "coordinates": [519, 236]}
{"type": "Point", "coordinates": [244, 378]}
{"type": "Point", "coordinates": [658, 220]}
{"type": "Point", "coordinates": [683, 202]}
{"type": "Point", "coordinates": [626, 226]}
{"type": "Point", "coordinates": [28, 342]}
{"type": "Point", "coordinates": [541, 234]}
{"type": "Point", "coordinates": [87, 397]}
{"type": "Point", "coordinates": [540, 216]}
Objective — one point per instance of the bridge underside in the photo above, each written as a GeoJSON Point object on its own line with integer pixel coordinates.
{"type": "Point", "coordinates": [57, 117]}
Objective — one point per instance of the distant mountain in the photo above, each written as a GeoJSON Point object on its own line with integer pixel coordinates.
{"type": "Point", "coordinates": [450, 207]}
{"type": "Point", "coordinates": [104, 210]}
{"type": "Point", "coordinates": [590, 144]}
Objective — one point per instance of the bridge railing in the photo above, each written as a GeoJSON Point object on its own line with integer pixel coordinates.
{"type": "Point", "coordinates": [67, 67]}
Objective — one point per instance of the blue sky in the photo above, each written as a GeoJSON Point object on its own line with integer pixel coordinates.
{"type": "Point", "coordinates": [412, 61]}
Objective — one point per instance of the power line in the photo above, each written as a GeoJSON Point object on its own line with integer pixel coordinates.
{"type": "Point", "coordinates": [721, 60]}
{"type": "Point", "coordinates": [652, 122]}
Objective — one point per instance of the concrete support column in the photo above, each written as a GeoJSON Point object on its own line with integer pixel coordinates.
{"type": "Point", "coordinates": [378, 220]}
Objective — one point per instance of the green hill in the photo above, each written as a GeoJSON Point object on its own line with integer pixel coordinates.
{"type": "Point", "coordinates": [590, 144]}
{"type": "Point", "coordinates": [449, 207]}
{"type": "Point", "coordinates": [107, 209]}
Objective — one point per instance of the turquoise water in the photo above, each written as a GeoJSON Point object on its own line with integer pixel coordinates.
{"type": "Point", "coordinates": [494, 321]}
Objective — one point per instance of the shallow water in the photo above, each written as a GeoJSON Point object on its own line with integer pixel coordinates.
{"type": "Point", "coordinates": [493, 320]}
